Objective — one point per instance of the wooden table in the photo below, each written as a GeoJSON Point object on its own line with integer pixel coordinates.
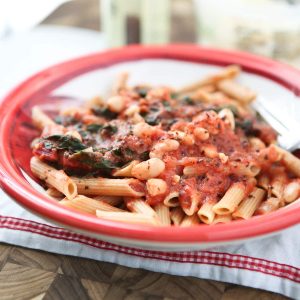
{"type": "Point", "coordinates": [32, 274]}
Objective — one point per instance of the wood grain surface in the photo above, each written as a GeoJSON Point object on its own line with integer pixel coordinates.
{"type": "Point", "coordinates": [32, 274]}
{"type": "Point", "coordinates": [37, 275]}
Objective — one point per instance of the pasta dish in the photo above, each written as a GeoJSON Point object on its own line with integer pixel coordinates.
{"type": "Point", "coordinates": [162, 155]}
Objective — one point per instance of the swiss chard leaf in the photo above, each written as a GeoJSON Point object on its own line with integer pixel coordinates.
{"type": "Point", "coordinates": [104, 112]}
{"type": "Point", "coordinates": [94, 128]}
{"type": "Point", "coordinates": [66, 142]}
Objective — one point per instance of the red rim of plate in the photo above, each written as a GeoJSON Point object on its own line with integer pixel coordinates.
{"type": "Point", "coordinates": [15, 184]}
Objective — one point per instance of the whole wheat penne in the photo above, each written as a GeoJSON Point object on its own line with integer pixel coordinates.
{"type": "Point", "coordinates": [127, 217]}
{"type": "Point", "coordinates": [190, 221]}
{"type": "Point", "coordinates": [163, 213]}
{"type": "Point", "coordinates": [141, 207]}
{"type": "Point", "coordinates": [40, 119]}
{"type": "Point", "coordinates": [230, 200]}
{"type": "Point", "coordinates": [126, 170]}
{"type": "Point", "coordinates": [111, 200]}
{"type": "Point", "coordinates": [88, 205]}
{"type": "Point", "coordinates": [109, 187]}
{"type": "Point", "coordinates": [55, 178]}
{"type": "Point", "coordinates": [249, 205]}
{"type": "Point", "coordinates": [177, 215]}
{"type": "Point", "coordinates": [206, 213]}
{"type": "Point", "coordinates": [236, 91]}
{"type": "Point", "coordinates": [228, 72]}
{"type": "Point", "coordinates": [222, 219]}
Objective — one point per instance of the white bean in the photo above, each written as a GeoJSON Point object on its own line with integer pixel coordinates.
{"type": "Point", "coordinates": [156, 186]}
{"type": "Point", "coordinates": [201, 134]}
{"type": "Point", "coordinates": [143, 130]}
{"type": "Point", "coordinates": [228, 117]}
{"type": "Point", "coordinates": [148, 169]}
{"type": "Point", "coordinates": [291, 192]}
{"type": "Point", "coordinates": [164, 146]}
{"type": "Point", "coordinates": [116, 104]}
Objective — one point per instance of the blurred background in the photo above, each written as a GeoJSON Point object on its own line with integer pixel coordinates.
{"type": "Point", "coordinates": [38, 33]}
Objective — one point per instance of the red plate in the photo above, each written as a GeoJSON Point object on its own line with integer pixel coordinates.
{"type": "Point", "coordinates": [16, 133]}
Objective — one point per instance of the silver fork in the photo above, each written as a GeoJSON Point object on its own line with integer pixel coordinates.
{"type": "Point", "coordinates": [288, 129]}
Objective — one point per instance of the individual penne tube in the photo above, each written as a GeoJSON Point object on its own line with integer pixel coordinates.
{"type": "Point", "coordinates": [111, 200]}
{"type": "Point", "coordinates": [190, 221]}
{"type": "Point", "coordinates": [277, 185]}
{"type": "Point", "coordinates": [229, 202]}
{"type": "Point", "coordinates": [193, 207]}
{"type": "Point", "coordinates": [141, 207]}
{"type": "Point", "coordinates": [55, 178]}
{"type": "Point", "coordinates": [163, 213]}
{"type": "Point", "coordinates": [249, 205]}
{"type": "Point", "coordinates": [236, 91]}
{"type": "Point", "coordinates": [271, 204]}
{"type": "Point", "coordinates": [127, 217]}
{"type": "Point", "coordinates": [54, 193]}
{"type": "Point", "coordinates": [88, 205]}
{"type": "Point", "coordinates": [40, 119]}
{"type": "Point", "coordinates": [222, 219]}
{"type": "Point", "coordinates": [177, 215]}
{"type": "Point", "coordinates": [171, 199]}
{"type": "Point", "coordinates": [109, 187]}
{"type": "Point", "coordinates": [228, 72]}
{"type": "Point", "coordinates": [120, 83]}
{"type": "Point", "coordinates": [249, 170]}
{"type": "Point", "coordinates": [206, 213]}
{"type": "Point", "coordinates": [291, 161]}
{"type": "Point", "coordinates": [126, 170]}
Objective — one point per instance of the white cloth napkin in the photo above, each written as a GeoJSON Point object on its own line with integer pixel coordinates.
{"type": "Point", "coordinates": [272, 263]}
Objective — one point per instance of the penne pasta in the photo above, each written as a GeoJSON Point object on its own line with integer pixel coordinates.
{"type": "Point", "coordinates": [222, 219]}
{"type": "Point", "coordinates": [54, 178]}
{"type": "Point", "coordinates": [236, 91]}
{"type": "Point", "coordinates": [206, 213]}
{"type": "Point", "coordinates": [40, 119]}
{"type": "Point", "coordinates": [54, 193]}
{"type": "Point", "coordinates": [228, 72]}
{"type": "Point", "coordinates": [111, 200]}
{"type": "Point", "coordinates": [291, 161]}
{"type": "Point", "coordinates": [192, 208]}
{"type": "Point", "coordinates": [163, 213]}
{"type": "Point", "coordinates": [230, 200]}
{"type": "Point", "coordinates": [172, 200]}
{"type": "Point", "coordinates": [177, 215]}
{"type": "Point", "coordinates": [141, 207]}
{"type": "Point", "coordinates": [271, 204]}
{"type": "Point", "coordinates": [190, 221]}
{"type": "Point", "coordinates": [88, 205]}
{"type": "Point", "coordinates": [249, 205]}
{"type": "Point", "coordinates": [109, 187]}
{"type": "Point", "coordinates": [127, 217]}
{"type": "Point", "coordinates": [126, 171]}
{"type": "Point", "coordinates": [120, 83]}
